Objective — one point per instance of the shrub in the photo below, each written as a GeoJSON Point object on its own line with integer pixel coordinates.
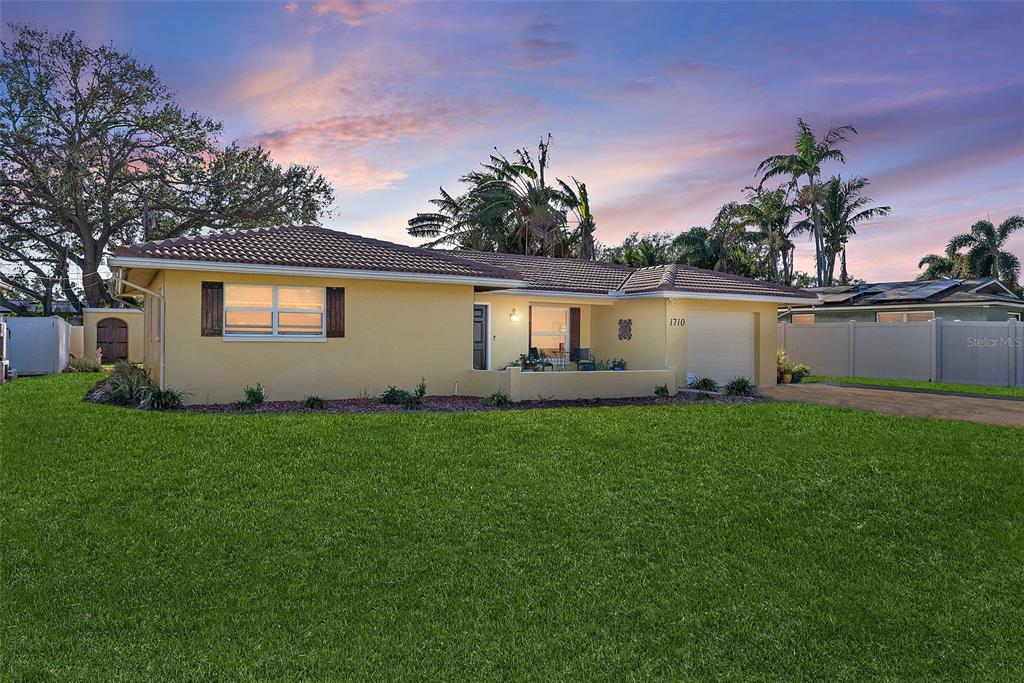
{"type": "Point", "coordinates": [739, 386]}
{"type": "Point", "coordinates": [395, 396]}
{"type": "Point", "coordinates": [314, 403]}
{"type": "Point", "coordinates": [83, 365]}
{"type": "Point", "coordinates": [415, 399]}
{"type": "Point", "coordinates": [800, 370]}
{"type": "Point", "coordinates": [498, 399]}
{"type": "Point", "coordinates": [661, 391]}
{"type": "Point", "coordinates": [125, 385]}
{"type": "Point", "coordinates": [155, 398]}
{"type": "Point", "coordinates": [252, 396]}
{"type": "Point", "coordinates": [704, 384]}
{"type": "Point", "coordinates": [782, 364]}
{"type": "Point", "coordinates": [618, 364]}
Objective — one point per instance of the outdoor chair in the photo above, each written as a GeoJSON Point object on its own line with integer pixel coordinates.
{"type": "Point", "coordinates": [583, 360]}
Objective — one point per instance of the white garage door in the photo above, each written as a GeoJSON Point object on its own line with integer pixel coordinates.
{"type": "Point", "coordinates": [720, 345]}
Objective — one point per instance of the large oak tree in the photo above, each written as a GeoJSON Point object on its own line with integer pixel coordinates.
{"type": "Point", "coordinates": [95, 151]}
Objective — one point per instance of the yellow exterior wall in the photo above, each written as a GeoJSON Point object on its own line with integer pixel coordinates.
{"type": "Point", "coordinates": [395, 333]}
{"type": "Point", "coordinates": [646, 349]}
{"type": "Point", "coordinates": [132, 317]}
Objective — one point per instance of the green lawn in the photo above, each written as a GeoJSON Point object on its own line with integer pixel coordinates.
{"type": "Point", "coordinates": [981, 389]}
{"type": "Point", "coordinates": [756, 541]}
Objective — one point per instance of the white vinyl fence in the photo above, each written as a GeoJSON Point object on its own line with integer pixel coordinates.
{"type": "Point", "coordinates": [939, 351]}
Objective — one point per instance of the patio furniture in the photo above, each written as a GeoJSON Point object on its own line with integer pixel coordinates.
{"type": "Point", "coordinates": [584, 361]}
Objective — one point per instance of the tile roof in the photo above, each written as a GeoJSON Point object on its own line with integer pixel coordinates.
{"type": "Point", "coordinates": [312, 247]}
{"type": "Point", "coordinates": [559, 274]}
{"type": "Point", "coordinates": [573, 275]}
{"type": "Point", "coordinates": [680, 278]}
{"type": "Point", "coordinates": [306, 246]}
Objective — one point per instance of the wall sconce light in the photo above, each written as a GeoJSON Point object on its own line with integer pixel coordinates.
{"type": "Point", "coordinates": [513, 316]}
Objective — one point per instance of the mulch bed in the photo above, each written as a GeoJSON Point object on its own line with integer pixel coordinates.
{"type": "Point", "coordinates": [460, 404]}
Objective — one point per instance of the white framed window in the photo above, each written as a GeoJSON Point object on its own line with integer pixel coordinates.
{"type": "Point", "coordinates": [262, 311]}
{"type": "Point", "coordinates": [1013, 316]}
{"type": "Point", "coordinates": [549, 329]}
{"type": "Point", "coordinates": [904, 317]}
{"type": "Point", "coordinates": [803, 318]}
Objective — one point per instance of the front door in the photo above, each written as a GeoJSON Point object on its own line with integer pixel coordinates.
{"type": "Point", "coordinates": [480, 335]}
{"type": "Point", "coordinates": [112, 339]}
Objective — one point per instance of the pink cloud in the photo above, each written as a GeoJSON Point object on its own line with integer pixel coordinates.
{"type": "Point", "coordinates": [352, 12]}
{"type": "Point", "coordinates": [291, 7]}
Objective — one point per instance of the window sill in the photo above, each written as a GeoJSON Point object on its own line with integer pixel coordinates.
{"type": "Point", "coordinates": [271, 338]}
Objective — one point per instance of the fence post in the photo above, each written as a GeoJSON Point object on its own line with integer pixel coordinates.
{"type": "Point", "coordinates": [851, 365]}
{"type": "Point", "coordinates": [1011, 363]}
{"type": "Point", "coordinates": [781, 341]}
{"type": "Point", "coordinates": [934, 372]}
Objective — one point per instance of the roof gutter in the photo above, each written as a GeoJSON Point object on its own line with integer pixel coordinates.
{"type": "Point", "coordinates": [299, 271]}
{"type": "Point", "coordinates": [716, 296]}
{"type": "Point", "coordinates": [163, 321]}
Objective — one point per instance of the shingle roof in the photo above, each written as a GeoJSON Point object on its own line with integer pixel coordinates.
{"type": "Point", "coordinates": [559, 274]}
{"type": "Point", "coordinates": [312, 247]}
{"type": "Point", "coordinates": [883, 294]}
{"type": "Point", "coordinates": [306, 246]}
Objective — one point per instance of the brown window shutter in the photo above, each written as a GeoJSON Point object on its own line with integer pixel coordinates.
{"type": "Point", "coordinates": [335, 311]}
{"type": "Point", "coordinates": [574, 333]}
{"type": "Point", "coordinates": [212, 315]}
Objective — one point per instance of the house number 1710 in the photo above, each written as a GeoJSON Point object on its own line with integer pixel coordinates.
{"type": "Point", "coordinates": [676, 322]}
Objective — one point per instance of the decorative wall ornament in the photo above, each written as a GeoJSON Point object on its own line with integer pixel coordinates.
{"type": "Point", "coordinates": [625, 328]}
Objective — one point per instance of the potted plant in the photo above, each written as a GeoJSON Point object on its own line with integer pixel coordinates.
{"type": "Point", "coordinates": [799, 371]}
{"type": "Point", "coordinates": [618, 364]}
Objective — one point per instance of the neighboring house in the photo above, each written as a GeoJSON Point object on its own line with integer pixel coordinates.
{"type": "Point", "coordinates": [306, 310]}
{"type": "Point", "coordinates": [31, 306]}
{"type": "Point", "coordinates": [973, 299]}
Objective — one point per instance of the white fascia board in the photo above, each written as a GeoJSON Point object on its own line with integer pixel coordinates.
{"type": "Point", "coordinates": [660, 294]}
{"type": "Point", "coordinates": [993, 281]}
{"type": "Point", "coordinates": [343, 273]}
{"type": "Point", "coordinates": [554, 294]}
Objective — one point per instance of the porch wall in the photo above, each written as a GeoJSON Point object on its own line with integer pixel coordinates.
{"type": "Point", "coordinates": [527, 386]}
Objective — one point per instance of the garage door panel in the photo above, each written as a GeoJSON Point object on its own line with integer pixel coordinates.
{"type": "Point", "coordinates": [720, 345]}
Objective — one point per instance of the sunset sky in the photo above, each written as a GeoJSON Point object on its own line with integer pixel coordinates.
{"type": "Point", "coordinates": [663, 109]}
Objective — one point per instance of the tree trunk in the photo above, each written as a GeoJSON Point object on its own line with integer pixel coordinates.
{"type": "Point", "coordinates": [818, 250]}
{"type": "Point", "coordinates": [844, 276]}
{"type": "Point", "coordinates": [96, 294]}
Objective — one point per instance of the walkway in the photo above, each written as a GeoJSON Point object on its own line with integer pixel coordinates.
{"type": "Point", "coordinates": [984, 410]}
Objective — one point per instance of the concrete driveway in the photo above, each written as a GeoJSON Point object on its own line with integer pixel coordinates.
{"type": "Point", "coordinates": [985, 410]}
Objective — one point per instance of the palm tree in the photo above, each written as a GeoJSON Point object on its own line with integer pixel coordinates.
{"type": "Point", "coordinates": [577, 200]}
{"type": "Point", "coordinates": [696, 247]}
{"type": "Point", "coordinates": [938, 267]}
{"type": "Point", "coordinates": [842, 208]}
{"type": "Point", "coordinates": [641, 252]}
{"type": "Point", "coordinates": [724, 247]}
{"type": "Point", "coordinates": [985, 249]}
{"type": "Point", "coordinates": [811, 152]}
{"type": "Point", "coordinates": [510, 207]}
{"type": "Point", "coordinates": [770, 211]}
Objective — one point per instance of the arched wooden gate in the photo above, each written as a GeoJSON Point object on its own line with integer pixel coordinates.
{"type": "Point", "coordinates": [112, 339]}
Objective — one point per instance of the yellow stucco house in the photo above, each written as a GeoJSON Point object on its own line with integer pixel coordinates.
{"type": "Point", "coordinates": [310, 311]}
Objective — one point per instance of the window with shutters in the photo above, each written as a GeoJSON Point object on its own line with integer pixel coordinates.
{"type": "Point", "coordinates": [262, 311]}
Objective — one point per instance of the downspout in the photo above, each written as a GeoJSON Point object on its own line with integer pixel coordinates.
{"type": "Point", "coordinates": [163, 321]}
